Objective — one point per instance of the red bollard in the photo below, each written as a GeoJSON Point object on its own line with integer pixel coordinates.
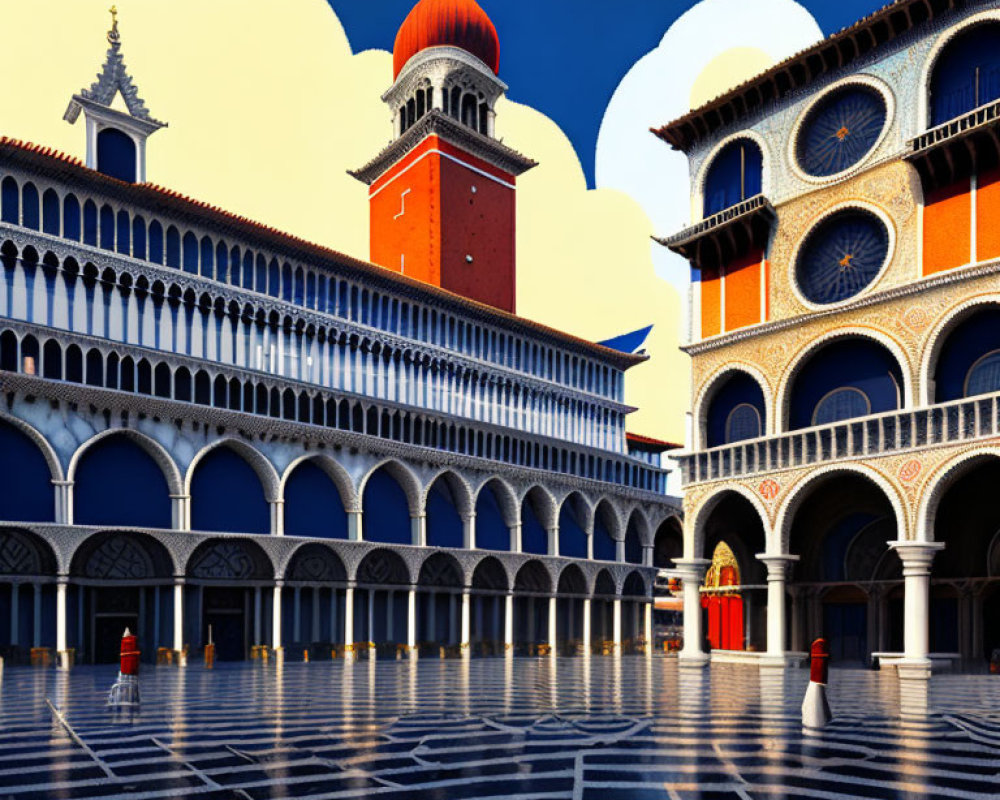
{"type": "Point", "coordinates": [129, 654]}
{"type": "Point", "coordinates": [815, 708]}
{"type": "Point", "coordinates": [819, 661]}
{"type": "Point", "coordinates": [125, 693]}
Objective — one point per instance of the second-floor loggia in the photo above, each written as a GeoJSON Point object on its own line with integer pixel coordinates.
{"type": "Point", "coordinates": [849, 399]}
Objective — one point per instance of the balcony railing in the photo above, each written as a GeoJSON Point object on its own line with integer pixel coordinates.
{"type": "Point", "coordinates": [951, 151]}
{"type": "Point", "coordinates": [862, 437]}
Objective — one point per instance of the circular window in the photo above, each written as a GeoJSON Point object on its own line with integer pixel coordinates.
{"type": "Point", "coordinates": [840, 130]}
{"type": "Point", "coordinates": [842, 255]}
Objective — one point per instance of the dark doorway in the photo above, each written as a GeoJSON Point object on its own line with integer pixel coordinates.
{"type": "Point", "coordinates": [115, 609]}
{"type": "Point", "coordinates": [225, 616]}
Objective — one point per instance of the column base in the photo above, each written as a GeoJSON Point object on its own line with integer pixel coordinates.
{"type": "Point", "coordinates": [181, 657]}
{"type": "Point", "coordinates": [695, 660]}
{"type": "Point", "coordinates": [278, 654]}
{"type": "Point", "coordinates": [66, 658]}
{"type": "Point", "coordinates": [911, 669]}
{"type": "Point", "coordinates": [782, 660]}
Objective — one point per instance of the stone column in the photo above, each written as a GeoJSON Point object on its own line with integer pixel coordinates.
{"type": "Point", "coordinates": [411, 620]}
{"type": "Point", "coordinates": [917, 558]}
{"type": "Point", "coordinates": [63, 502]}
{"type": "Point", "coordinates": [778, 565]}
{"type": "Point", "coordinates": [692, 573]}
{"type": "Point", "coordinates": [276, 619]}
{"type": "Point", "coordinates": [553, 540]}
{"type": "Point", "coordinates": [469, 531]}
{"type": "Point", "coordinates": [586, 626]}
{"type": "Point", "coordinates": [61, 649]}
{"type": "Point", "coordinates": [418, 530]}
{"type": "Point", "coordinates": [15, 613]}
{"type": "Point", "coordinates": [647, 555]}
{"type": "Point", "coordinates": [179, 654]}
{"type": "Point", "coordinates": [370, 633]}
{"type": "Point", "coordinates": [515, 538]}
{"type": "Point", "coordinates": [354, 525]}
{"type": "Point", "coordinates": [348, 621]}
{"type": "Point", "coordinates": [180, 512]}
{"type": "Point", "coordinates": [620, 551]}
{"type": "Point", "coordinates": [465, 637]}
{"type": "Point", "coordinates": [390, 601]}
{"type": "Point", "coordinates": [616, 624]}
{"type": "Point", "coordinates": [277, 517]}
{"type": "Point", "coordinates": [553, 611]}
{"type": "Point", "coordinates": [647, 625]}
{"type": "Point", "coordinates": [508, 622]}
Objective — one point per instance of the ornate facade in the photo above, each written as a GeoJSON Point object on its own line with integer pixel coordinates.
{"type": "Point", "coordinates": [845, 354]}
{"type": "Point", "coordinates": [213, 430]}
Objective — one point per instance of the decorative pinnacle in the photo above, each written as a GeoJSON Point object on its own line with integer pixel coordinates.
{"type": "Point", "coordinates": [113, 37]}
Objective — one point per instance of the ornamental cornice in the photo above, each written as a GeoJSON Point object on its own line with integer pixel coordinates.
{"type": "Point", "coordinates": [443, 61]}
{"type": "Point", "coordinates": [185, 281]}
{"type": "Point", "coordinates": [253, 427]}
{"type": "Point", "coordinates": [437, 123]}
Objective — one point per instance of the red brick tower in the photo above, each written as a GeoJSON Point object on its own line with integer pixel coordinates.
{"type": "Point", "coordinates": [442, 193]}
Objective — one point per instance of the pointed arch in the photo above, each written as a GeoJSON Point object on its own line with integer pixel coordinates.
{"type": "Point", "coordinates": [538, 517]}
{"type": "Point", "coordinates": [607, 531]}
{"type": "Point", "coordinates": [575, 524]}
{"type": "Point", "coordinates": [29, 466]}
{"type": "Point", "coordinates": [448, 502]}
{"type": "Point", "coordinates": [496, 512]}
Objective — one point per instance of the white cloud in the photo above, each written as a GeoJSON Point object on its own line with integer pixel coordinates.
{"type": "Point", "coordinates": [658, 89]}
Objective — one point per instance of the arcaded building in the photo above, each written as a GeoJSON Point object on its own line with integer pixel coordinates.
{"type": "Point", "coordinates": [845, 346]}
{"type": "Point", "coordinates": [212, 428]}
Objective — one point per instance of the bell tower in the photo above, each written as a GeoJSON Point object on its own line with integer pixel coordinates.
{"type": "Point", "coordinates": [442, 194]}
{"type": "Point", "coordinates": [116, 137]}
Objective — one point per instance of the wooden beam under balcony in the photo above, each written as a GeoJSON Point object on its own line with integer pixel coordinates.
{"type": "Point", "coordinates": [730, 234]}
{"type": "Point", "coordinates": [955, 149]}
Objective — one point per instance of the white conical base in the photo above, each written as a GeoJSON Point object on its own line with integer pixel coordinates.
{"type": "Point", "coordinates": [815, 708]}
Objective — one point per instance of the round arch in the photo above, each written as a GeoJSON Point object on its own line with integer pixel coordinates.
{"type": "Point", "coordinates": [447, 503]}
{"type": "Point", "coordinates": [706, 166]}
{"type": "Point", "coordinates": [496, 513]}
{"type": "Point", "coordinates": [121, 555]}
{"type": "Point", "coordinates": [47, 451]}
{"type": "Point", "coordinates": [780, 537]}
{"type": "Point", "coordinates": [407, 480]}
{"type": "Point", "coordinates": [315, 563]}
{"type": "Point", "coordinates": [668, 542]}
{"type": "Point", "coordinates": [936, 339]}
{"type": "Point", "coordinates": [923, 110]}
{"type": "Point", "coordinates": [694, 544]}
{"type": "Point", "coordinates": [229, 559]}
{"type": "Point", "coordinates": [533, 578]}
{"type": "Point", "coordinates": [26, 554]}
{"type": "Point", "coordinates": [538, 518]}
{"type": "Point", "coordinates": [716, 383]}
{"type": "Point", "coordinates": [382, 566]}
{"type": "Point", "coordinates": [572, 581]}
{"type": "Point", "coordinates": [576, 519]}
{"type": "Point", "coordinates": [607, 530]}
{"type": "Point", "coordinates": [805, 355]}
{"type": "Point", "coordinates": [441, 570]}
{"type": "Point", "coordinates": [490, 575]}
{"type": "Point", "coordinates": [340, 477]}
{"type": "Point", "coordinates": [265, 470]}
{"type": "Point", "coordinates": [945, 477]}
{"type": "Point", "coordinates": [153, 448]}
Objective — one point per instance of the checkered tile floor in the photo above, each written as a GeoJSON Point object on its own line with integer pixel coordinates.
{"type": "Point", "coordinates": [601, 728]}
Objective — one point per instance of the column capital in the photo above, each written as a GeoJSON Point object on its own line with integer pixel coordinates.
{"type": "Point", "coordinates": [778, 564]}
{"type": "Point", "coordinates": [692, 568]}
{"type": "Point", "coordinates": [917, 557]}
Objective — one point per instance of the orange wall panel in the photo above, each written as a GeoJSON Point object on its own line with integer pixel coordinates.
{"type": "Point", "coordinates": [742, 287]}
{"type": "Point", "coordinates": [988, 216]}
{"type": "Point", "coordinates": [711, 303]}
{"type": "Point", "coordinates": [947, 227]}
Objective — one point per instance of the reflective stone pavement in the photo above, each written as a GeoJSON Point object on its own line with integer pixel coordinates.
{"type": "Point", "coordinates": [603, 728]}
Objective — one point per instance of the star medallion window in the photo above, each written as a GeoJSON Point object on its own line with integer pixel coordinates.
{"type": "Point", "coordinates": [841, 256]}
{"type": "Point", "coordinates": [840, 130]}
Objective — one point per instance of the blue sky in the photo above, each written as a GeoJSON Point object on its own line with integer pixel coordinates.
{"type": "Point", "coordinates": [566, 57]}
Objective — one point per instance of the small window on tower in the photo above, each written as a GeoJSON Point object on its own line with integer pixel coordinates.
{"type": "Point", "coordinates": [116, 154]}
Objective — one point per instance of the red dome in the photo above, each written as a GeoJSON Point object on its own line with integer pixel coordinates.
{"type": "Point", "coordinates": [458, 23]}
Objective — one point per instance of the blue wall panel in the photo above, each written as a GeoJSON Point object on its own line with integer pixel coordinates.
{"type": "Point", "coordinates": [118, 483]}
{"type": "Point", "coordinates": [965, 345]}
{"type": "Point", "coordinates": [385, 511]}
{"type": "Point", "coordinates": [26, 491]}
{"type": "Point", "coordinates": [312, 504]}
{"type": "Point", "coordinates": [491, 531]}
{"type": "Point", "coordinates": [534, 539]}
{"type": "Point", "coordinates": [572, 538]}
{"type": "Point", "coordinates": [226, 495]}
{"type": "Point", "coordinates": [738, 389]}
{"type": "Point", "coordinates": [444, 525]}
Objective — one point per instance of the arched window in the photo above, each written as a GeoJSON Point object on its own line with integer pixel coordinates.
{"type": "Point", "coordinates": [10, 201]}
{"type": "Point", "coordinates": [116, 155]}
{"type": "Point", "coordinates": [735, 175]}
{"type": "Point", "coordinates": [966, 74]}
{"type": "Point", "coordinates": [844, 403]}
{"type": "Point", "coordinates": [984, 375]}
{"type": "Point", "coordinates": [29, 206]}
{"type": "Point", "coordinates": [742, 423]}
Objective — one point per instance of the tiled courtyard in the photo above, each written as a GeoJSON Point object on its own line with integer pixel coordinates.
{"type": "Point", "coordinates": [606, 728]}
